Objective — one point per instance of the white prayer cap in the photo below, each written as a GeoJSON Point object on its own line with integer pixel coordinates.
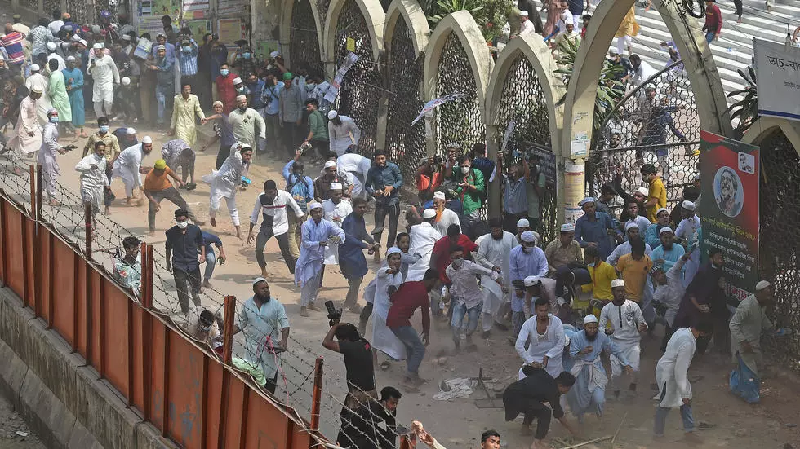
{"type": "Point", "coordinates": [131, 131]}
{"type": "Point", "coordinates": [274, 54]}
{"type": "Point", "coordinates": [613, 51]}
{"type": "Point", "coordinates": [336, 186]}
{"type": "Point", "coordinates": [258, 279]}
{"type": "Point", "coordinates": [663, 209]}
{"type": "Point", "coordinates": [34, 67]}
{"type": "Point", "coordinates": [631, 224]}
{"type": "Point", "coordinates": [588, 199]}
{"type": "Point", "coordinates": [439, 195]}
{"type": "Point", "coordinates": [84, 43]}
{"type": "Point", "coordinates": [239, 97]}
{"type": "Point", "coordinates": [70, 58]}
{"type": "Point", "coordinates": [532, 280]}
{"type": "Point", "coordinates": [428, 213]}
{"type": "Point", "coordinates": [567, 227]}
{"type": "Point", "coordinates": [237, 80]}
{"type": "Point", "coordinates": [51, 46]}
{"type": "Point", "coordinates": [523, 13]}
{"type": "Point", "coordinates": [97, 46]}
{"type": "Point", "coordinates": [330, 164]}
{"type": "Point", "coordinates": [529, 237]}
{"type": "Point", "coordinates": [762, 285]}
{"type": "Point", "coordinates": [688, 205]}
{"type": "Point", "coordinates": [126, 37]}
{"type": "Point", "coordinates": [665, 229]}
{"type": "Point", "coordinates": [36, 89]}
{"type": "Point", "coordinates": [217, 103]}
{"type": "Point", "coordinates": [393, 250]}
{"type": "Point", "coordinates": [643, 191]}
{"type": "Point", "coordinates": [589, 319]}
{"type": "Point", "coordinates": [332, 115]}
{"type": "Point", "coordinates": [314, 205]}
{"type": "Point", "coordinates": [126, 81]}
{"type": "Point", "coordinates": [76, 38]}
{"type": "Point", "coordinates": [522, 223]}
{"type": "Point", "coordinates": [617, 283]}
{"type": "Point", "coordinates": [161, 47]}
{"type": "Point", "coordinates": [147, 139]}
{"type": "Point", "coordinates": [52, 111]}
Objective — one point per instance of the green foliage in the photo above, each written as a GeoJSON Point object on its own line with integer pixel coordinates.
{"type": "Point", "coordinates": [609, 89]}
{"type": "Point", "coordinates": [490, 15]}
{"type": "Point", "coordinates": [746, 109]}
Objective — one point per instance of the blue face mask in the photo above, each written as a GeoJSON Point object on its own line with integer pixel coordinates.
{"type": "Point", "coordinates": [186, 49]}
{"type": "Point", "coordinates": [246, 55]}
{"type": "Point", "coordinates": [103, 128]}
{"type": "Point", "coordinates": [223, 72]}
{"type": "Point", "coordinates": [590, 265]}
{"type": "Point", "coordinates": [54, 119]}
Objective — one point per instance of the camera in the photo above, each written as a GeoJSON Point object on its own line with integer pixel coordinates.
{"type": "Point", "coordinates": [334, 314]}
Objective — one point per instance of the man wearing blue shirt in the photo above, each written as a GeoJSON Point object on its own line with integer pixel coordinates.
{"type": "Point", "coordinates": [668, 253]}
{"type": "Point", "coordinates": [270, 95]}
{"type": "Point", "coordinates": [384, 181]}
{"type": "Point", "coordinates": [210, 241]}
{"type": "Point", "coordinates": [595, 229]}
{"type": "Point", "coordinates": [527, 259]}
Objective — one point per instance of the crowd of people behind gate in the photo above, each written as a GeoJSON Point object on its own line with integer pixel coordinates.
{"type": "Point", "coordinates": [595, 288]}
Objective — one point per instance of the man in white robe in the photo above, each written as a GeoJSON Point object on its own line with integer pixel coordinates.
{"type": "Point", "coordinates": [47, 156]}
{"type": "Point", "coordinates": [342, 132]}
{"type": "Point", "coordinates": [672, 376]}
{"type": "Point", "coordinates": [225, 183]}
{"type": "Point", "coordinates": [94, 181]}
{"type": "Point", "coordinates": [494, 251]}
{"type": "Point", "coordinates": [688, 234]}
{"type": "Point", "coordinates": [355, 167]}
{"type": "Point", "coordinates": [387, 280]}
{"type": "Point", "coordinates": [336, 209]}
{"type": "Point", "coordinates": [423, 237]}
{"type": "Point", "coordinates": [544, 334]}
{"type": "Point", "coordinates": [29, 130]}
{"type": "Point", "coordinates": [444, 216]}
{"type": "Point", "coordinates": [128, 166]}
{"type": "Point", "coordinates": [105, 75]}
{"type": "Point", "coordinates": [316, 233]}
{"type": "Point", "coordinates": [38, 81]}
{"type": "Point", "coordinates": [626, 321]}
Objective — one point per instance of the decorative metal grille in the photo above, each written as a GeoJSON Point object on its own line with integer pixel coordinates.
{"type": "Point", "coordinates": [522, 101]}
{"type": "Point", "coordinates": [655, 123]}
{"type": "Point", "coordinates": [779, 196]}
{"type": "Point", "coordinates": [33, 5]}
{"type": "Point", "coordinates": [82, 12]}
{"type": "Point", "coordinates": [304, 48]}
{"type": "Point", "coordinates": [49, 6]}
{"type": "Point", "coordinates": [361, 89]}
{"type": "Point", "coordinates": [405, 143]}
{"type": "Point", "coordinates": [322, 10]}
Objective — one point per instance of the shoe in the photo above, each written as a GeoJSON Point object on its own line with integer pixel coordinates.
{"type": "Point", "coordinates": [303, 311]}
{"type": "Point", "coordinates": [485, 334]}
{"type": "Point", "coordinates": [311, 306]}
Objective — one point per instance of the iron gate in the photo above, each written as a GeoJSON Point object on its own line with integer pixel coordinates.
{"type": "Point", "coordinates": [405, 143]}
{"type": "Point", "coordinates": [779, 204]}
{"type": "Point", "coordinates": [458, 121]}
{"type": "Point", "coordinates": [656, 123]}
{"type": "Point", "coordinates": [522, 101]}
{"type": "Point", "coordinates": [360, 93]}
{"type": "Point", "coordinates": [304, 48]}
{"type": "Point", "coordinates": [322, 10]}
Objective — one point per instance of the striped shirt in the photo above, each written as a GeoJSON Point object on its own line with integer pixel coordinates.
{"type": "Point", "coordinates": [188, 61]}
{"type": "Point", "coordinates": [12, 42]}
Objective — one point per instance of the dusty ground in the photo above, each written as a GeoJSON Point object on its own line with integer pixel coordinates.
{"type": "Point", "coordinates": [14, 433]}
{"type": "Point", "coordinates": [458, 424]}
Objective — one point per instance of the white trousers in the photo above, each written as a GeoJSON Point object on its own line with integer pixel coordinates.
{"type": "Point", "coordinates": [622, 43]}
{"type": "Point", "coordinates": [309, 291]}
{"type": "Point", "coordinates": [230, 201]}
{"type": "Point", "coordinates": [632, 351]}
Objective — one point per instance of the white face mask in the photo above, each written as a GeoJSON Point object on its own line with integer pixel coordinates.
{"type": "Point", "coordinates": [182, 224]}
{"type": "Point", "coordinates": [465, 170]}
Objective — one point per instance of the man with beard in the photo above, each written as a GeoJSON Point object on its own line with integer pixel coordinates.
{"type": "Point", "coordinates": [705, 300]}
{"type": "Point", "coordinates": [246, 123]}
{"type": "Point", "coordinates": [632, 232]}
{"type": "Point", "coordinates": [316, 232]}
{"type": "Point", "coordinates": [527, 259]}
{"type": "Point", "coordinates": [589, 393]}
{"type": "Point", "coordinates": [544, 334]}
{"type": "Point", "coordinates": [595, 228]}
{"type": "Point", "coordinates": [47, 156]}
{"type": "Point", "coordinates": [688, 234]}
{"type": "Point", "coordinates": [728, 186]}
{"type": "Point", "coordinates": [128, 166]}
{"type": "Point", "coordinates": [668, 293]}
{"type": "Point", "coordinates": [444, 216]}
{"type": "Point", "coordinates": [622, 319]}
{"type": "Point", "coordinates": [29, 130]}
{"type": "Point", "coordinates": [351, 258]}
{"type": "Point", "coordinates": [668, 253]}
{"type": "Point", "coordinates": [225, 183]}
{"type": "Point", "coordinates": [274, 206]}
{"type": "Point", "coordinates": [423, 238]}
{"type": "Point", "coordinates": [329, 177]}
{"type": "Point", "coordinates": [494, 251]}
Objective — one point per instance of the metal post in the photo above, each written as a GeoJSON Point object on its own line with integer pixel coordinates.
{"type": "Point", "coordinates": [32, 181]}
{"type": "Point", "coordinates": [87, 212]}
{"type": "Point", "coordinates": [316, 398]}
{"type": "Point", "coordinates": [227, 329]}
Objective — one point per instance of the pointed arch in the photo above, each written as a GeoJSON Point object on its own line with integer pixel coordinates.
{"type": "Point", "coordinates": [411, 12]}
{"type": "Point", "coordinates": [288, 16]}
{"type": "Point", "coordinates": [373, 14]}
{"type": "Point", "coordinates": [764, 127]}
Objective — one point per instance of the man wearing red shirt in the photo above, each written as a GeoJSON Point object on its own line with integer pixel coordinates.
{"type": "Point", "coordinates": [405, 301]}
{"type": "Point", "coordinates": [440, 257]}
{"type": "Point", "coordinates": [713, 24]}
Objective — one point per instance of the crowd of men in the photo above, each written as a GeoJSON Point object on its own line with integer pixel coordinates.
{"type": "Point", "coordinates": [601, 283]}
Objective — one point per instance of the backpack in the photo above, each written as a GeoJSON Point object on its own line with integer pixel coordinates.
{"type": "Point", "coordinates": [298, 188]}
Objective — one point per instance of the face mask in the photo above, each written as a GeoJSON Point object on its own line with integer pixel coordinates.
{"type": "Point", "coordinates": [182, 224]}
{"type": "Point", "coordinates": [465, 170]}
{"type": "Point", "coordinates": [246, 55]}
{"type": "Point", "coordinates": [186, 49]}
{"type": "Point", "coordinates": [457, 262]}
{"type": "Point", "coordinates": [205, 328]}
{"type": "Point", "coordinates": [103, 128]}
{"type": "Point", "coordinates": [240, 89]}
{"type": "Point", "coordinates": [590, 265]}
{"type": "Point", "coordinates": [223, 72]}
{"type": "Point", "coordinates": [53, 119]}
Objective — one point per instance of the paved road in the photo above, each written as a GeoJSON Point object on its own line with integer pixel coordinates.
{"type": "Point", "coordinates": [12, 429]}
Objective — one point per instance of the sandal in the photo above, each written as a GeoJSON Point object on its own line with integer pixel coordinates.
{"type": "Point", "coordinates": [385, 365]}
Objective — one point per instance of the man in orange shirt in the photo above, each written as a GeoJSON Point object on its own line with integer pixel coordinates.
{"type": "Point", "coordinates": [158, 187]}
{"type": "Point", "coordinates": [633, 269]}
{"type": "Point", "coordinates": [656, 193]}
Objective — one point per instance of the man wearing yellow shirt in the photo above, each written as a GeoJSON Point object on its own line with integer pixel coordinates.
{"type": "Point", "coordinates": [633, 269]}
{"type": "Point", "coordinates": [656, 194]}
{"type": "Point", "coordinates": [602, 274]}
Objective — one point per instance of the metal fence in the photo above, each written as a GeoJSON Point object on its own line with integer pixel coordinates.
{"type": "Point", "coordinates": [779, 197]}
{"type": "Point", "coordinates": [304, 46]}
{"type": "Point", "coordinates": [404, 142]}
{"type": "Point", "coordinates": [655, 123]}
{"type": "Point", "coordinates": [361, 90]}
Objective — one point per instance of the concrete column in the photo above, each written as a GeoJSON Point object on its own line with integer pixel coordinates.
{"type": "Point", "coordinates": [572, 189]}
{"type": "Point", "coordinates": [495, 191]}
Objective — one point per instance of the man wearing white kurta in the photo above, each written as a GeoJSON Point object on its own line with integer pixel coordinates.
{"type": "Point", "coordinates": [128, 166]}
{"type": "Point", "coordinates": [688, 234]}
{"type": "Point", "coordinates": [357, 167]}
{"type": "Point", "coordinates": [225, 183]}
{"type": "Point", "coordinates": [315, 233]}
{"type": "Point", "coordinates": [494, 250]}
{"type": "Point", "coordinates": [105, 75]}
{"type": "Point", "coordinates": [37, 82]}
{"type": "Point", "coordinates": [93, 177]}
{"type": "Point", "coordinates": [29, 130]}
{"type": "Point", "coordinates": [423, 237]}
{"type": "Point", "coordinates": [626, 321]}
{"type": "Point", "coordinates": [342, 132]}
{"type": "Point", "coordinates": [673, 379]}
{"type": "Point", "coordinates": [335, 209]}
{"type": "Point", "coordinates": [545, 334]}
{"type": "Point", "coordinates": [387, 280]}
{"type": "Point", "coordinates": [47, 156]}
{"type": "Point", "coordinates": [444, 216]}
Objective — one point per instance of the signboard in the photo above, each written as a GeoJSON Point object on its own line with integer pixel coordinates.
{"type": "Point", "coordinates": [778, 67]}
{"type": "Point", "coordinates": [729, 208]}
{"type": "Point", "coordinates": [230, 30]}
{"type": "Point", "coordinates": [198, 28]}
{"type": "Point", "coordinates": [546, 161]}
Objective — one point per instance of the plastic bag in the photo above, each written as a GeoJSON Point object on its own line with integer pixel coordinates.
{"type": "Point", "coordinates": [744, 382]}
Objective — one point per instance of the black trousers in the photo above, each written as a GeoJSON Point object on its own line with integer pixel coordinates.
{"type": "Point", "coordinates": [290, 137]}
{"type": "Point", "coordinates": [381, 211]}
{"type": "Point", "coordinates": [272, 383]}
{"type": "Point", "coordinates": [283, 242]}
{"type": "Point", "coordinates": [224, 152]}
{"type": "Point", "coordinates": [738, 5]}
{"type": "Point", "coordinates": [542, 414]}
{"type": "Point", "coordinates": [185, 280]}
